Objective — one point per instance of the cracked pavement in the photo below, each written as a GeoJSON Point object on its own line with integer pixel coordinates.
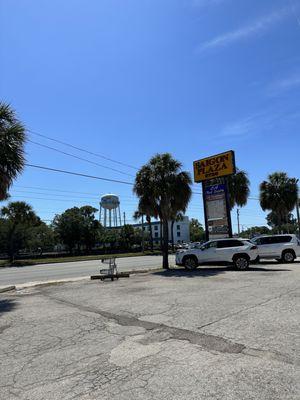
{"type": "Point", "coordinates": [210, 334]}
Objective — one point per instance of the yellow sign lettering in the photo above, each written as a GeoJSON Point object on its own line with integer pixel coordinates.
{"type": "Point", "coordinates": [215, 166]}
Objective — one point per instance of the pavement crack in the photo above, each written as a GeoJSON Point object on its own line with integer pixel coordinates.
{"type": "Point", "coordinates": [207, 341]}
{"type": "Point", "coordinates": [247, 309]}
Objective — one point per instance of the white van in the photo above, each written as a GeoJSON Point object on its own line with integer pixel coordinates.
{"type": "Point", "coordinates": [284, 248]}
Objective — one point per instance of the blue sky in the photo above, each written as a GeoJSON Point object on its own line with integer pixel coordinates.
{"type": "Point", "coordinates": [130, 78]}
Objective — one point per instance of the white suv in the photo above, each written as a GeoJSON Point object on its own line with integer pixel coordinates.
{"type": "Point", "coordinates": [238, 252]}
{"type": "Point", "coordinates": [284, 248]}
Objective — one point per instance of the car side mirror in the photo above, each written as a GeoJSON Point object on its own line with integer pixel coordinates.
{"type": "Point", "coordinates": [202, 248]}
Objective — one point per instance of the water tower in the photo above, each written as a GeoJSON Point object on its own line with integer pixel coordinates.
{"type": "Point", "coordinates": [110, 214]}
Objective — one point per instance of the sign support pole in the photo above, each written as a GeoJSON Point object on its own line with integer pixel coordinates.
{"type": "Point", "coordinates": [228, 208]}
{"type": "Point", "coordinates": [205, 212]}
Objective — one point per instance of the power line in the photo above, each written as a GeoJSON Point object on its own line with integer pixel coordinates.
{"type": "Point", "coordinates": [78, 158]}
{"type": "Point", "coordinates": [83, 150]}
{"type": "Point", "coordinates": [92, 176]}
{"type": "Point", "coordinates": [57, 195]}
{"type": "Point", "coordinates": [66, 191]}
{"type": "Point", "coordinates": [87, 198]}
{"type": "Point", "coordinates": [49, 199]}
{"type": "Point", "coordinates": [78, 174]}
{"type": "Point", "coordinates": [84, 175]}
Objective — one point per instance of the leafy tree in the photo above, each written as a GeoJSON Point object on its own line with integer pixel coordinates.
{"type": "Point", "coordinates": [255, 231]}
{"type": "Point", "coordinates": [91, 227]}
{"type": "Point", "coordinates": [12, 140]}
{"type": "Point", "coordinates": [68, 228]}
{"type": "Point", "coordinates": [40, 238]}
{"type": "Point", "coordinates": [238, 188]}
{"type": "Point", "coordinates": [167, 189]}
{"type": "Point", "coordinates": [77, 227]}
{"type": "Point", "coordinates": [17, 219]}
{"type": "Point", "coordinates": [197, 233]}
{"type": "Point", "coordinates": [127, 237]}
{"type": "Point", "coordinates": [110, 238]}
{"type": "Point", "coordinates": [279, 194]}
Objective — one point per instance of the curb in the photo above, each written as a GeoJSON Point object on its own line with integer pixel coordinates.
{"type": "Point", "coordinates": [7, 289]}
{"type": "Point", "coordinates": [72, 280]}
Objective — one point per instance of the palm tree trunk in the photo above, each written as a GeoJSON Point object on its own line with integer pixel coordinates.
{"type": "Point", "coordinates": [161, 234]}
{"type": "Point", "coordinates": [148, 218]}
{"type": "Point", "coordinates": [165, 245]}
{"type": "Point", "coordinates": [172, 235]}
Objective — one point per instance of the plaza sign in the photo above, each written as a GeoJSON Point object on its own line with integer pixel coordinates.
{"type": "Point", "coordinates": [217, 222]}
{"type": "Point", "coordinates": [214, 167]}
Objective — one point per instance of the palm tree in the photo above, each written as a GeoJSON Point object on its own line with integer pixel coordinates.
{"type": "Point", "coordinates": [238, 188]}
{"type": "Point", "coordinates": [168, 190]}
{"type": "Point", "coordinates": [144, 210]}
{"type": "Point", "coordinates": [279, 195]}
{"type": "Point", "coordinates": [12, 140]}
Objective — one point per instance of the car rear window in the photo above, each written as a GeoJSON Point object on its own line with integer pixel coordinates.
{"type": "Point", "coordinates": [222, 244]}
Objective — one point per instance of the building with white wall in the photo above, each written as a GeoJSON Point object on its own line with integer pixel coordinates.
{"type": "Point", "coordinates": [181, 230]}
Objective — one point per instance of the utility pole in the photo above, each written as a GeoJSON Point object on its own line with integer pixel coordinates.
{"type": "Point", "coordinates": [238, 220]}
{"type": "Point", "coordinates": [124, 218]}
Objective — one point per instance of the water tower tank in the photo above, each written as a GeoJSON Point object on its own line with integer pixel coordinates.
{"type": "Point", "coordinates": [110, 201]}
{"type": "Point", "coordinates": [110, 205]}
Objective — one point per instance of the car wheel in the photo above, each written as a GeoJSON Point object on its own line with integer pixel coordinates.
{"type": "Point", "coordinates": [241, 262]}
{"type": "Point", "coordinates": [190, 263]}
{"type": "Point", "coordinates": [288, 256]}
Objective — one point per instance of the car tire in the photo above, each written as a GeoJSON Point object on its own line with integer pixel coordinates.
{"type": "Point", "coordinates": [190, 263]}
{"type": "Point", "coordinates": [241, 262]}
{"type": "Point", "coordinates": [288, 256]}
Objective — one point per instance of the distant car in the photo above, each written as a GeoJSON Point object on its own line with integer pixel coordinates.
{"type": "Point", "coordinates": [284, 248]}
{"type": "Point", "coordinates": [195, 245]}
{"type": "Point", "coordinates": [238, 252]}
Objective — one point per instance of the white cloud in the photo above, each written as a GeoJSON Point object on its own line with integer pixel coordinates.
{"type": "Point", "coordinates": [252, 125]}
{"type": "Point", "coordinates": [254, 28]}
{"type": "Point", "coordinates": [282, 85]}
{"type": "Point", "coordinates": [240, 128]}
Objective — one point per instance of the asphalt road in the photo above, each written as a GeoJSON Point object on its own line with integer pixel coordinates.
{"type": "Point", "coordinates": [213, 334]}
{"type": "Point", "coordinates": [48, 272]}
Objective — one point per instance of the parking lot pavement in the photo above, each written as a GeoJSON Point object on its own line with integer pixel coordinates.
{"type": "Point", "coordinates": [214, 333]}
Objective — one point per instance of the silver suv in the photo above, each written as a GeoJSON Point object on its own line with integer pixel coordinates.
{"type": "Point", "coordinates": [284, 248]}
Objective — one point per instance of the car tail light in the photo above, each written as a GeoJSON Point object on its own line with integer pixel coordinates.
{"type": "Point", "coordinates": [253, 248]}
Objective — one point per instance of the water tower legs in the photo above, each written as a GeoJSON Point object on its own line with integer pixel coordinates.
{"type": "Point", "coordinates": [120, 219]}
{"type": "Point", "coordinates": [105, 216]}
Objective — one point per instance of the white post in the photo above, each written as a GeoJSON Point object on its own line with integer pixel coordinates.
{"type": "Point", "coordinates": [105, 216]}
